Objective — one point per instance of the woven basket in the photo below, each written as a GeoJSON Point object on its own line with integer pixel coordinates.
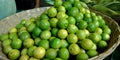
{"type": "Point", "coordinates": [12, 20]}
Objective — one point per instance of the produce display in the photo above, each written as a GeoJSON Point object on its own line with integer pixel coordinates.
{"type": "Point", "coordinates": [66, 31]}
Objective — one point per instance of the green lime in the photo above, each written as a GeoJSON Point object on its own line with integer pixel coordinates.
{"type": "Point", "coordinates": [52, 12]}
{"type": "Point", "coordinates": [82, 9]}
{"type": "Point", "coordinates": [87, 14]}
{"type": "Point", "coordinates": [51, 38]}
{"type": "Point", "coordinates": [18, 26]}
{"type": "Point", "coordinates": [37, 40]}
{"type": "Point", "coordinates": [86, 44]}
{"type": "Point", "coordinates": [13, 30]}
{"type": "Point", "coordinates": [105, 36]}
{"type": "Point", "coordinates": [62, 23]}
{"type": "Point", "coordinates": [44, 17]}
{"type": "Point", "coordinates": [82, 50]}
{"type": "Point", "coordinates": [24, 57]}
{"type": "Point", "coordinates": [22, 29]}
{"type": "Point", "coordinates": [82, 56]}
{"type": "Point", "coordinates": [88, 19]}
{"type": "Point", "coordinates": [55, 43]}
{"type": "Point", "coordinates": [64, 44]}
{"type": "Point", "coordinates": [74, 49]}
{"type": "Point", "coordinates": [23, 21]}
{"type": "Point", "coordinates": [54, 31]}
{"type": "Point", "coordinates": [81, 34]}
{"type": "Point", "coordinates": [36, 31]}
{"type": "Point", "coordinates": [77, 4]}
{"type": "Point", "coordinates": [61, 15]}
{"type": "Point", "coordinates": [51, 53]}
{"type": "Point", "coordinates": [32, 58]}
{"type": "Point", "coordinates": [24, 35]}
{"type": "Point", "coordinates": [71, 20]}
{"type": "Point", "coordinates": [31, 27]}
{"type": "Point", "coordinates": [91, 27]}
{"type": "Point", "coordinates": [63, 53]}
{"type": "Point", "coordinates": [6, 42]}
{"type": "Point", "coordinates": [87, 32]}
{"type": "Point", "coordinates": [13, 36]}
{"type": "Point", "coordinates": [82, 24]}
{"type": "Point", "coordinates": [7, 49]}
{"type": "Point", "coordinates": [101, 22]}
{"type": "Point", "coordinates": [102, 44]}
{"type": "Point", "coordinates": [53, 22]}
{"type": "Point", "coordinates": [72, 28]}
{"type": "Point", "coordinates": [92, 53]}
{"type": "Point", "coordinates": [24, 51]}
{"type": "Point", "coordinates": [94, 46]}
{"type": "Point", "coordinates": [45, 34]}
{"type": "Point", "coordinates": [57, 3]}
{"type": "Point", "coordinates": [83, 4]}
{"type": "Point", "coordinates": [30, 50]}
{"type": "Point", "coordinates": [96, 23]}
{"type": "Point", "coordinates": [95, 18]}
{"type": "Point", "coordinates": [99, 30]}
{"type": "Point", "coordinates": [39, 52]}
{"type": "Point", "coordinates": [28, 43]}
{"type": "Point", "coordinates": [3, 37]}
{"type": "Point", "coordinates": [95, 37]}
{"type": "Point", "coordinates": [44, 24]}
{"type": "Point", "coordinates": [16, 44]}
{"type": "Point", "coordinates": [73, 11]}
{"type": "Point", "coordinates": [61, 9]}
{"type": "Point", "coordinates": [44, 44]}
{"type": "Point", "coordinates": [62, 33]}
{"type": "Point", "coordinates": [32, 19]}
{"type": "Point", "coordinates": [58, 59]}
{"type": "Point", "coordinates": [93, 15]}
{"type": "Point", "coordinates": [107, 30]}
{"type": "Point", "coordinates": [72, 38]}
{"type": "Point", "coordinates": [67, 5]}
{"type": "Point", "coordinates": [27, 23]}
{"type": "Point", "coordinates": [14, 54]}
{"type": "Point", "coordinates": [79, 17]}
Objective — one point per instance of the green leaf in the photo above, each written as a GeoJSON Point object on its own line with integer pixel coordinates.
{"type": "Point", "coordinates": [114, 6]}
{"type": "Point", "coordinates": [105, 10]}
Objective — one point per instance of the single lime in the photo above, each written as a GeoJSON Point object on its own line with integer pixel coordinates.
{"type": "Point", "coordinates": [92, 53]}
{"type": "Point", "coordinates": [45, 34]}
{"type": "Point", "coordinates": [86, 44]}
{"type": "Point", "coordinates": [81, 34]}
{"type": "Point", "coordinates": [63, 53]}
{"type": "Point", "coordinates": [52, 12]}
{"type": "Point", "coordinates": [72, 38]}
{"type": "Point", "coordinates": [51, 53]}
{"type": "Point", "coordinates": [14, 54]}
{"type": "Point", "coordinates": [55, 43]}
{"type": "Point", "coordinates": [39, 52]}
{"type": "Point", "coordinates": [28, 43]}
{"type": "Point", "coordinates": [74, 49]}
{"type": "Point", "coordinates": [62, 33]}
{"type": "Point", "coordinates": [44, 44]}
{"type": "Point", "coordinates": [16, 44]}
{"type": "Point", "coordinates": [72, 28]}
{"type": "Point", "coordinates": [24, 57]}
{"type": "Point", "coordinates": [82, 56]}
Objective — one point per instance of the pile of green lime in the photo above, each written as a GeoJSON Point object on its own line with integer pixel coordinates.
{"type": "Point", "coordinates": [67, 29]}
